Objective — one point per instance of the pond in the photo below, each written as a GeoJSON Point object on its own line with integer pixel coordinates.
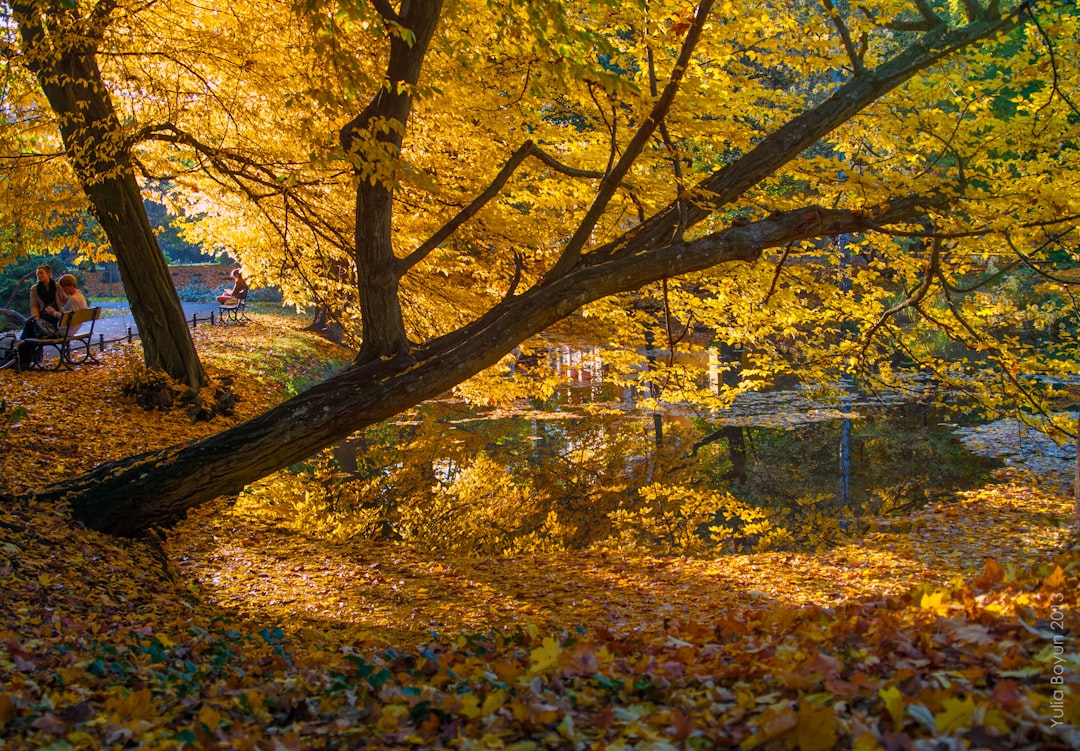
{"type": "Point", "coordinates": [785, 470]}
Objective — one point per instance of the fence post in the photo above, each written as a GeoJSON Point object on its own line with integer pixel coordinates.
{"type": "Point", "coordinates": [129, 337]}
{"type": "Point", "coordinates": [101, 342]}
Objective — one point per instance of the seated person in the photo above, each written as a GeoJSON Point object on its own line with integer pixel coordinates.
{"type": "Point", "coordinates": [237, 292]}
{"type": "Point", "coordinates": [46, 302]}
{"type": "Point", "coordinates": [74, 299]}
{"type": "Point", "coordinates": [45, 326]}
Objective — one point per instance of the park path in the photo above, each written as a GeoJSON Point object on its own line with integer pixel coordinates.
{"type": "Point", "coordinates": [117, 321]}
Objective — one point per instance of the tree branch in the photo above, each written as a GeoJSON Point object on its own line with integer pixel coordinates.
{"type": "Point", "coordinates": [845, 35]}
{"type": "Point", "coordinates": [1030, 263]}
{"type": "Point", "coordinates": [784, 144]}
{"type": "Point", "coordinates": [913, 300]}
{"type": "Point", "coordinates": [1056, 83]}
{"type": "Point", "coordinates": [932, 19]}
{"type": "Point", "coordinates": [386, 10]}
{"type": "Point", "coordinates": [776, 274]}
{"type": "Point", "coordinates": [676, 164]}
{"type": "Point", "coordinates": [525, 150]}
{"type": "Point", "coordinates": [572, 252]}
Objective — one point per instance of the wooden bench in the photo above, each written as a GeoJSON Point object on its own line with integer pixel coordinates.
{"type": "Point", "coordinates": [233, 311]}
{"type": "Point", "coordinates": [66, 343]}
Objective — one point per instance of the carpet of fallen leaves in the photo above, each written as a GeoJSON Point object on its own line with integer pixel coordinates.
{"type": "Point", "coordinates": [955, 627]}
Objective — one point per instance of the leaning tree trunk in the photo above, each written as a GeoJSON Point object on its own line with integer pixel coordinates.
{"type": "Point", "coordinates": [155, 306]}
{"type": "Point", "coordinates": [59, 47]}
{"type": "Point", "coordinates": [132, 494]}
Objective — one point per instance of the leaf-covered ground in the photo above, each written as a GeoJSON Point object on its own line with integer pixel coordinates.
{"type": "Point", "coordinates": [955, 627]}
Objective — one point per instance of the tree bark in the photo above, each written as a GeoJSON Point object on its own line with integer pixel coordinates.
{"type": "Point", "coordinates": [60, 49]}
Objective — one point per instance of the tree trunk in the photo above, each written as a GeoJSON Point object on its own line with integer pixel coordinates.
{"type": "Point", "coordinates": [380, 307]}
{"type": "Point", "coordinates": [130, 495]}
{"type": "Point", "coordinates": [378, 267]}
{"type": "Point", "coordinates": [155, 305]}
{"type": "Point", "coordinates": [1076, 484]}
{"type": "Point", "coordinates": [94, 141]}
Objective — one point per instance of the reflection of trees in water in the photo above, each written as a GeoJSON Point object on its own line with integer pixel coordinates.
{"type": "Point", "coordinates": [487, 482]}
{"type": "Point", "coordinates": [896, 458]}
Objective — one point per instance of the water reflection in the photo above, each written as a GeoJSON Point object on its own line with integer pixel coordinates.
{"type": "Point", "coordinates": [790, 469]}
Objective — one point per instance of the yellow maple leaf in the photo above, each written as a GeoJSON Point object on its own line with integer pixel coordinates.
{"type": "Point", "coordinates": [544, 656]}
{"type": "Point", "coordinates": [956, 715]}
{"type": "Point", "coordinates": [470, 706]}
{"type": "Point", "coordinates": [493, 702]}
{"type": "Point", "coordinates": [209, 717]}
{"type": "Point", "coordinates": [137, 705]}
{"type": "Point", "coordinates": [79, 738]}
{"type": "Point", "coordinates": [935, 601]}
{"type": "Point", "coordinates": [865, 742]}
{"type": "Point", "coordinates": [1055, 580]}
{"type": "Point", "coordinates": [894, 703]}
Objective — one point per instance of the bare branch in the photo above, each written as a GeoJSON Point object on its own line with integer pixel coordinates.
{"type": "Point", "coordinates": [845, 36]}
{"type": "Point", "coordinates": [525, 150]}
{"type": "Point", "coordinates": [776, 274]}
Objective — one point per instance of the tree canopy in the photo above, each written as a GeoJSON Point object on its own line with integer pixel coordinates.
{"type": "Point", "coordinates": [816, 184]}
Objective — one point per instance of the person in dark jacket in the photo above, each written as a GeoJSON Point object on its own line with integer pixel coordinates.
{"type": "Point", "coordinates": [47, 300]}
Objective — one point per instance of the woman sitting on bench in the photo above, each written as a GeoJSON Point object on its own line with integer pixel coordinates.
{"type": "Point", "coordinates": [46, 300]}
{"type": "Point", "coordinates": [235, 294]}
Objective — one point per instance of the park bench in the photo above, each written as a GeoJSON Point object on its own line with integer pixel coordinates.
{"type": "Point", "coordinates": [233, 310]}
{"type": "Point", "coordinates": [70, 335]}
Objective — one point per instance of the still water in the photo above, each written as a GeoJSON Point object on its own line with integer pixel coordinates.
{"type": "Point", "coordinates": [589, 467]}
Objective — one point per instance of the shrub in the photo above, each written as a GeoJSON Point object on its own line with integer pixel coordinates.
{"type": "Point", "coordinates": [196, 291]}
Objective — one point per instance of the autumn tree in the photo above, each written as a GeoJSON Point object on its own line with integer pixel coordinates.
{"type": "Point", "coordinates": [806, 181]}
{"type": "Point", "coordinates": [60, 43]}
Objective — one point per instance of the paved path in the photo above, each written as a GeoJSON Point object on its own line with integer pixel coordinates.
{"type": "Point", "coordinates": [116, 319]}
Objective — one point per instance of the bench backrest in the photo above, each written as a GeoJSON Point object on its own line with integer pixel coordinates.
{"type": "Point", "coordinates": [73, 320]}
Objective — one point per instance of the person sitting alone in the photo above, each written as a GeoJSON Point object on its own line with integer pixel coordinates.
{"type": "Point", "coordinates": [237, 292]}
